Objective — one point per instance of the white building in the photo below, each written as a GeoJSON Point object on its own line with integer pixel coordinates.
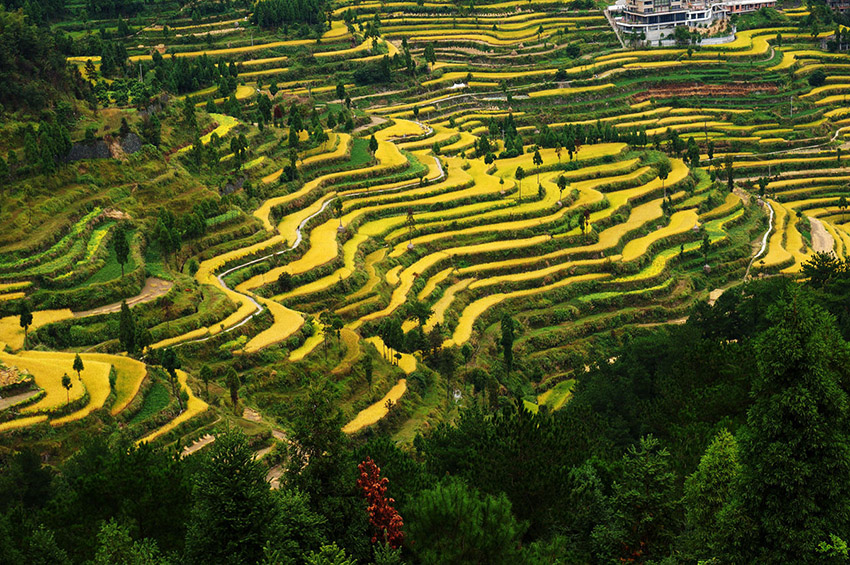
{"type": "Point", "coordinates": [652, 20]}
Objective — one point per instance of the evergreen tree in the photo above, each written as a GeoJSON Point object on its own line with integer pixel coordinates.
{"type": "Point", "coordinates": [189, 118]}
{"type": "Point", "coordinates": [206, 376]}
{"type": "Point", "coordinates": [67, 384]}
{"type": "Point", "coordinates": [127, 329]}
{"type": "Point", "coordinates": [115, 546]}
{"type": "Point", "coordinates": [795, 450]}
{"type": "Point", "coordinates": [121, 247]}
{"type": "Point", "coordinates": [152, 130]}
{"type": "Point", "coordinates": [232, 381]}
{"type": "Point", "coordinates": [320, 466]}
{"type": "Point", "coordinates": [453, 523]}
{"type": "Point", "coordinates": [169, 361]}
{"type": "Point", "coordinates": [643, 505]}
{"type": "Point", "coordinates": [78, 365]}
{"type": "Point", "coordinates": [707, 491]}
{"type": "Point", "coordinates": [232, 506]}
{"type": "Point", "coordinates": [25, 319]}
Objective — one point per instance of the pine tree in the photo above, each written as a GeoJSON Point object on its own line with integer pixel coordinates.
{"type": "Point", "coordinates": [232, 381]}
{"type": "Point", "coordinates": [795, 451]}
{"type": "Point", "coordinates": [189, 118]}
{"type": "Point", "coordinates": [708, 491]}
{"type": "Point", "coordinates": [644, 507]}
{"type": "Point", "coordinates": [232, 510]}
{"type": "Point", "coordinates": [78, 366]}
{"type": "Point", "coordinates": [127, 329]}
{"type": "Point", "coordinates": [25, 320]}
{"type": "Point", "coordinates": [121, 247]}
{"type": "Point", "coordinates": [169, 361]}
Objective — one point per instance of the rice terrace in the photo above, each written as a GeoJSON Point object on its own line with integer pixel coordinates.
{"type": "Point", "coordinates": [449, 282]}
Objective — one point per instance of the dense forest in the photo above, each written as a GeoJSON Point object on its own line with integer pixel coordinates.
{"type": "Point", "coordinates": [32, 66]}
{"type": "Point", "coordinates": [724, 440]}
{"type": "Point", "coordinates": [312, 206]}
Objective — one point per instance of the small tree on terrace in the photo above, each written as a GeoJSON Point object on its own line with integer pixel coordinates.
{"type": "Point", "coordinates": [338, 210]}
{"type": "Point", "coordinates": [664, 169]}
{"type": "Point", "coordinates": [817, 78]}
{"type": "Point", "coordinates": [728, 162]}
{"type": "Point", "coordinates": [121, 247]}
{"type": "Point", "coordinates": [538, 161]}
{"type": "Point", "coordinates": [169, 361]}
{"type": "Point", "coordinates": [336, 326]}
{"type": "Point", "coordinates": [584, 221]}
{"type": "Point", "coordinates": [420, 311]}
{"type": "Point", "coordinates": [78, 366]}
{"type": "Point", "coordinates": [127, 329]}
{"type": "Point", "coordinates": [206, 376]}
{"type": "Point", "coordinates": [410, 223]}
{"type": "Point", "coordinates": [693, 153]}
{"type": "Point", "coordinates": [520, 174]}
{"type": "Point", "coordinates": [430, 54]}
{"type": "Point", "coordinates": [232, 381]}
{"type": "Point", "coordinates": [91, 70]}
{"type": "Point", "coordinates": [67, 384]}
{"type": "Point", "coordinates": [562, 185]}
{"type": "Point", "coordinates": [842, 205]}
{"type": "Point", "coordinates": [189, 118]}
{"type": "Point", "coordinates": [373, 145]}
{"type": "Point", "coordinates": [25, 319]}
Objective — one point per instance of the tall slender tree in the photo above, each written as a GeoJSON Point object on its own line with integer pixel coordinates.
{"type": "Point", "coordinates": [78, 366]}
{"type": "Point", "coordinates": [127, 329]}
{"type": "Point", "coordinates": [67, 384]}
{"type": "Point", "coordinates": [25, 315]}
{"type": "Point", "coordinates": [121, 247]}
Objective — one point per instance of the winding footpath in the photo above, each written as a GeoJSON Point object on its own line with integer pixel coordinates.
{"type": "Point", "coordinates": [763, 242]}
{"type": "Point", "coordinates": [299, 237]}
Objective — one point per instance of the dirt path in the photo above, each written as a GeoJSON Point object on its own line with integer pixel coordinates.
{"type": "Point", "coordinates": [676, 322]}
{"type": "Point", "coordinates": [714, 295]}
{"type": "Point", "coordinates": [154, 288]}
{"type": "Point", "coordinates": [373, 121]}
{"type": "Point", "coordinates": [796, 174]}
{"type": "Point", "coordinates": [7, 401]}
{"type": "Point", "coordinates": [197, 446]}
{"type": "Point", "coordinates": [822, 242]}
{"type": "Point", "coordinates": [764, 240]}
{"type": "Point", "coordinates": [273, 476]}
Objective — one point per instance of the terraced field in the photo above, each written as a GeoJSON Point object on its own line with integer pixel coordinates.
{"type": "Point", "coordinates": [530, 167]}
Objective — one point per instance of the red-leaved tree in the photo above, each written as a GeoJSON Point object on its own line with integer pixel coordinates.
{"type": "Point", "coordinates": [382, 515]}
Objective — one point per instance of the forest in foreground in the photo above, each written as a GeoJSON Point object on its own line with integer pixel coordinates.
{"type": "Point", "coordinates": [337, 282]}
{"type": "Point", "coordinates": [723, 440]}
